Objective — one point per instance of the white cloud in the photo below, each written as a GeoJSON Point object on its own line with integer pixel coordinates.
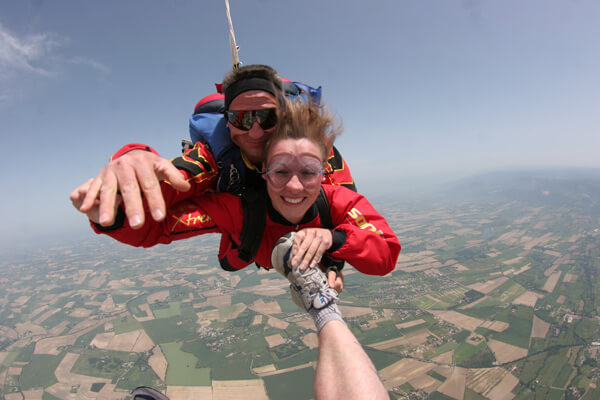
{"type": "Point", "coordinates": [22, 54]}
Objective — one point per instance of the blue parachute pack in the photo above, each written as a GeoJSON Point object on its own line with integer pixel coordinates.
{"type": "Point", "coordinates": [208, 125]}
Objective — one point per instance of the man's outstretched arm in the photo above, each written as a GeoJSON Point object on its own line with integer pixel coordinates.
{"type": "Point", "coordinates": [130, 177]}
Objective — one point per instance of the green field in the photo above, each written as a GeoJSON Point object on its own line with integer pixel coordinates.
{"type": "Point", "coordinates": [292, 385]}
{"type": "Point", "coordinates": [126, 324]}
{"type": "Point", "coordinates": [172, 310]}
{"type": "Point", "coordinates": [182, 369]}
{"type": "Point", "coordinates": [39, 373]}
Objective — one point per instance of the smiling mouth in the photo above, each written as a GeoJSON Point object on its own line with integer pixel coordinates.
{"type": "Point", "coordinates": [294, 200]}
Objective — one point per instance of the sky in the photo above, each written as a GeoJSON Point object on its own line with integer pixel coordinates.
{"type": "Point", "coordinates": [427, 90]}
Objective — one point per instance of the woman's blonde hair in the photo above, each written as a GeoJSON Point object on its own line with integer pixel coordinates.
{"type": "Point", "coordinates": [297, 120]}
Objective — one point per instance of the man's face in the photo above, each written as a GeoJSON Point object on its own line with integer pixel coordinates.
{"type": "Point", "coordinates": [252, 142]}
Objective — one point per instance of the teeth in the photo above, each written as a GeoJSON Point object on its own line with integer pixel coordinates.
{"type": "Point", "coordinates": [293, 201]}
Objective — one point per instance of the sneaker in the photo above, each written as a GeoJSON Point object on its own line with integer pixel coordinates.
{"type": "Point", "coordinates": [147, 393]}
{"type": "Point", "coordinates": [309, 287]}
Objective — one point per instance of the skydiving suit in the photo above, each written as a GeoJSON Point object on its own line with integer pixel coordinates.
{"type": "Point", "coordinates": [361, 236]}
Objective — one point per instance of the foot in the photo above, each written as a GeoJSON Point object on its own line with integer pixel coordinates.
{"type": "Point", "coordinates": [309, 287]}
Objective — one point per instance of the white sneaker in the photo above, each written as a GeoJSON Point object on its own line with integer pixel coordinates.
{"type": "Point", "coordinates": [309, 287]}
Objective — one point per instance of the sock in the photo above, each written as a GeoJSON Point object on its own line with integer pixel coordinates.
{"type": "Point", "coordinates": [330, 312]}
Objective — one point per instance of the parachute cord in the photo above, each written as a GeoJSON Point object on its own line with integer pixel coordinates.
{"type": "Point", "coordinates": [234, 47]}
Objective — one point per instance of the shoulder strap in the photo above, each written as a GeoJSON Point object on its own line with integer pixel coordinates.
{"type": "Point", "coordinates": [254, 204]}
{"type": "Point", "coordinates": [324, 214]}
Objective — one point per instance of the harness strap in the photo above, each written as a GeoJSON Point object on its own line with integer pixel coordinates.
{"type": "Point", "coordinates": [254, 204]}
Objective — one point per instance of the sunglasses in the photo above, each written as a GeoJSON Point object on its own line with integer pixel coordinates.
{"type": "Point", "coordinates": [266, 118]}
{"type": "Point", "coordinates": [308, 170]}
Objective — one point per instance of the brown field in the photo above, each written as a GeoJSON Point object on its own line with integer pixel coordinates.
{"type": "Point", "coordinates": [277, 323]}
{"type": "Point", "coordinates": [271, 307]}
{"type": "Point", "coordinates": [458, 319]}
{"type": "Point", "coordinates": [269, 287]}
{"type": "Point", "coordinates": [311, 340]}
{"type": "Point", "coordinates": [444, 358]}
{"type": "Point", "coordinates": [561, 299]}
{"type": "Point", "coordinates": [257, 320]}
{"type": "Point", "coordinates": [260, 371]}
{"type": "Point", "coordinates": [234, 280]}
{"type": "Point", "coordinates": [14, 371]}
{"type": "Point", "coordinates": [133, 342]}
{"type": "Point", "coordinates": [473, 304]}
{"type": "Point", "coordinates": [20, 301]}
{"type": "Point", "coordinates": [512, 261]}
{"type": "Point", "coordinates": [242, 389]}
{"type": "Point", "coordinates": [570, 278]}
{"type": "Point", "coordinates": [81, 313]}
{"type": "Point", "coordinates": [45, 316]}
{"type": "Point", "coordinates": [13, 396]}
{"type": "Point", "coordinates": [552, 253]}
{"type": "Point", "coordinates": [158, 363]}
{"type": "Point", "coordinates": [539, 328]}
{"type": "Point", "coordinates": [493, 383]}
{"type": "Point", "coordinates": [552, 281]}
{"type": "Point", "coordinates": [50, 345]}
{"type": "Point", "coordinates": [505, 352]}
{"type": "Point", "coordinates": [218, 301]}
{"type": "Point", "coordinates": [412, 339]}
{"type": "Point", "coordinates": [460, 267]}
{"type": "Point", "coordinates": [66, 380]}
{"type": "Point", "coordinates": [403, 371]}
{"type": "Point", "coordinates": [483, 380]}
{"type": "Point", "coordinates": [189, 392]}
{"type": "Point", "coordinates": [410, 324]}
{"type": "Point", "coordinates": [163, 295]}
{"type": "Point", "coordinates": [350, 312]}
{"type": "Point", "coordinates": [33, 394]}
{"type": "Point", "coordinates": [21, 328]}
{"type": "Point", "coordinates": [307, 324]}
{"type": "Point", "coordinates": [455, 385]}
{"type": "Point", "coordinates": [538, 241]}
{"type": "Point", "coordinates": [487, 287]}
{"type": "Point", "coordinates": [97, 281]}
{"type": "Point", "coordinates": [425, 382]}
{"type": "Point", "coordinates": [497, 326]}
{"type": "Point", "coordinates": [266, 371]}
{"type": "Point", "coordinates": [121, 283]}
{"type": "Point", "coordinates": [528, 299]}
{"type": "Point", "coordinates": [523, 269]}
{"type": "Point", "coordinates": [274, 340]}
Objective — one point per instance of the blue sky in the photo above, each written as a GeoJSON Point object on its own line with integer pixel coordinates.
{"type": "Point", "coordinates": [427, 90]}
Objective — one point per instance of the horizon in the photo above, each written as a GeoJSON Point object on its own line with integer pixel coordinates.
{"type": "Point", "coordinates": [441, 91]}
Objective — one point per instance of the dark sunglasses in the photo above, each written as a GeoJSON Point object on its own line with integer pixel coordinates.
{"type": "Point", "coordinates": [266, 118]}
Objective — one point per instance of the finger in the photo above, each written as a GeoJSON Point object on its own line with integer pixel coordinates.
{"type": "Point", "coordinates": [302, 248]}
{"type": "Point", "coordinates": [108, 193]}
{"type": "Point", "coordinates": [167, 171]}
{"type": "Point", "coordinates": [130, 192]}
{"type": "Point", "coordinates": [92, 193]}
{"type": "Point", "coordinates": [78, 194]}
{"type": "Point", "coordinates": [149, 184]}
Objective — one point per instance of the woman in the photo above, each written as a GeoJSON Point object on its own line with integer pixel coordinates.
{"type": "Point", "coordinates": [293, 167]}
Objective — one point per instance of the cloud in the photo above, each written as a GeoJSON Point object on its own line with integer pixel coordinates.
{"type": "Point", "coordinates": [23, 54]}
{"type": "Point", "coordinates": [95, 65]}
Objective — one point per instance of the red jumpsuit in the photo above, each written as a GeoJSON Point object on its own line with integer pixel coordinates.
{"type": "Point", "coordinates": [361, 236]}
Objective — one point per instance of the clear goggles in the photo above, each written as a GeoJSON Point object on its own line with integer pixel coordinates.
{"type": "Point", "coordinates": [282, 168]}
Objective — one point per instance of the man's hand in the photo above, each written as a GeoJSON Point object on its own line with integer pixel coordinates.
{"type": "Point", "coordinates": [309, 246]}
{"type": "Point", "coordinates": [130, 176]}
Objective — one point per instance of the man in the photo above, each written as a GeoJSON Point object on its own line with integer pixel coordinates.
{"type": "Point", "coordinates": [250, 93]}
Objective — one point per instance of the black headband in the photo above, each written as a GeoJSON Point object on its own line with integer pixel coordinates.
{"type": "Point", "coordinates": [244, 85]}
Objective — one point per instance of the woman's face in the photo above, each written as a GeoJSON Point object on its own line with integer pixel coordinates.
{"type": "Point", "coordinates": [294, 172]}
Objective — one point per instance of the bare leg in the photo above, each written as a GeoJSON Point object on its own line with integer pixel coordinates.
{"type": "Point", "coordinates": [344, 371]}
